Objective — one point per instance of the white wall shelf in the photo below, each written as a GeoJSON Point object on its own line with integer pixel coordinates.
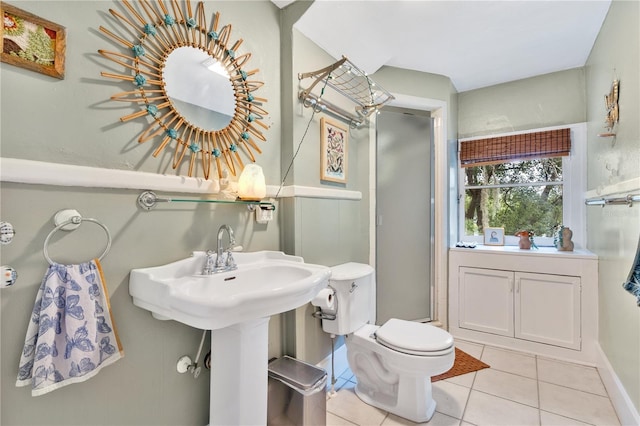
{"type": "Point", "coordinates": [43, 173]}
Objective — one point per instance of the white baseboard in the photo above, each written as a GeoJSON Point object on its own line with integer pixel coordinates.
{"type": "Point", "coordinates": [340, 363]}
{"type": "Point", "coordinates": [626, 410]}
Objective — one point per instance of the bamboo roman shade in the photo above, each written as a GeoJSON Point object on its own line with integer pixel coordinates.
{"type": "Point", "coordinates": [527, 146]}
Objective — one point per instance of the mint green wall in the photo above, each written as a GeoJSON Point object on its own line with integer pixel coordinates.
{"type": "Point", "coordinates": [547, 100]}
{"type": "Point", "coordinates": [324, 231]}
{"type": "Point", "coordinates": [72, 121]}
{"type": "Point", "coordinates": [422, 85]}
{"type": "Point", "coordinates": [613, 232]}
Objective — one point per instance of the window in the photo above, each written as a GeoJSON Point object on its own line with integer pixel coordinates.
{"type": "Point", "coordinates": [518, 182]}
{"type": "Point", "coordinates": [517, 195]}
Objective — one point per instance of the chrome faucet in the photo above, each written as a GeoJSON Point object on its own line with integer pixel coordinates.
{"type": "Point", "coordinates": [220, 264]}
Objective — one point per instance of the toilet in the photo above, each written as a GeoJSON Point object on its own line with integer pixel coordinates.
{"type": "Point", "coordinates": [393, 363]}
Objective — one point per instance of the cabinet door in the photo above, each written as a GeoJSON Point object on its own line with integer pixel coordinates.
{"type": "Point", "coordinates": [486, 300]}
{"type": "Point", "coordinates": [548, 309]}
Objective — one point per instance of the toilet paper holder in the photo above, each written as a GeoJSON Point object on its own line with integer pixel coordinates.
{"type": "Point", "coordinates": [330, 304]}
{"type": "Point", "coordinates": [323, 315]}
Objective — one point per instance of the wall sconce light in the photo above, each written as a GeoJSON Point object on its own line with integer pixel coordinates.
{"type": "Point", "coordinates": [251, 184]}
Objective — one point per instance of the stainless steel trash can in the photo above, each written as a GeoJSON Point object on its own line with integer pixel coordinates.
{"type": "Point", "coordinates": [297, 393]}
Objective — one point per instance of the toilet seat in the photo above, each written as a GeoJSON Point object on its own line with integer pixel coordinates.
{"type": "Point", "coordinates": [414, 338]}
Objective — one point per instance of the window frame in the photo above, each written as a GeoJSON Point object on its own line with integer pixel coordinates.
{"type": "Point", "coordinates": [573, 189]}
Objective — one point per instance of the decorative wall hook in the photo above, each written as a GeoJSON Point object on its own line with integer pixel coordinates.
{"type": "Point", "coordinates": [613, 111]}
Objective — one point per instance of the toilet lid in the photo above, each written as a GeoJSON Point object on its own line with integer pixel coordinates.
{"type": "Point", "coordinates": [414, 337]}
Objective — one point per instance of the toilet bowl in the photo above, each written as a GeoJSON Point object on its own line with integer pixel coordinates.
{"type": "Point", "coordinates": [393, 363]}
{"type": "Point", "coordinates": [394, 380]}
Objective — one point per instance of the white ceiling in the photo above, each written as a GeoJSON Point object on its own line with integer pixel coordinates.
{"type": "Point", "coordinates": [476, 43]}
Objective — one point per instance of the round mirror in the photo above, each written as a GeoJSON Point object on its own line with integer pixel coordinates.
{"type": "Point", "coordinates": [199, 87]}
{"type": "Point", "coordinates": [191, 85]}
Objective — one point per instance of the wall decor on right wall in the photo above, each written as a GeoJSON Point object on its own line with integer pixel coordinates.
{"type": "Point", "coordinates": [613, 110]}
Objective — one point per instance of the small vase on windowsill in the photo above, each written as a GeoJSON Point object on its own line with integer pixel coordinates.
{"type": "Point", "coordinates": [526, 240]}
{"type": "Point", "coordinates": [563, 239]}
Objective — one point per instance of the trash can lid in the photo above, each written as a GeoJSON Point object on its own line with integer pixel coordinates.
{"type": "Point", "coordinates": [296, 373]}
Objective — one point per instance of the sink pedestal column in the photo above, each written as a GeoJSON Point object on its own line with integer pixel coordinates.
{"type": "Point", "coordinates": [239, 374]}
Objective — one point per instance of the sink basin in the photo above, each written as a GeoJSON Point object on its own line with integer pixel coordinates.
{"type": "Point", "coordinates": [266, 283]}
{"type": "Point", "coordinates": [236, 307]}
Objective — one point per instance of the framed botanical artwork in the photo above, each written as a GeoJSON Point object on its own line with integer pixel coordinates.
{"type": "Point", "coordinates": [334, 141]}
{"type": "Point", "coordinates": [494, 236]}
{"type": "Point", "coordinates": [31, 42]}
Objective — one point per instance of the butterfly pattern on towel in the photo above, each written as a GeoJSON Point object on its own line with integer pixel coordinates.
{"type": "Point", "coordinates": [71, 335]}
{"type": "Point", "coordinates": [46, 323]}
{"type": "Point", "coordinates": [44, 350]}
{"type": "Point", "coordinates": [83, 367]}
{"type": "Point", "coordinates": [44, 374]}
{"type": "Point", "coordinates": [106, 348]}
{"type": "Point", "coordinates": [79, 341]}
{"type": "Point", "coordinates": [65, 277]}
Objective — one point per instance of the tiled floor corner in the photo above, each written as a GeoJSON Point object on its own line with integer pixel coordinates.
{"type": "Point", "coordinates": [517, 390]}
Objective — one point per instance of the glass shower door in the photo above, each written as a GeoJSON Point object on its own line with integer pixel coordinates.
{"type": "Point", "coordinates": [404, 215]}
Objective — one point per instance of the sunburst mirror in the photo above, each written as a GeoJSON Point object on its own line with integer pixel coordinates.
{"type": "Point", "coordinates": [191, 84]}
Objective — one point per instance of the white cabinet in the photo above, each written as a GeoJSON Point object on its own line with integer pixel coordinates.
{"type": "Point", "coordinates": [486, 300]}
{"type": "Point", "coordinates": [538, 307]}
{"type": "Point", "coordinates": [547, 309]}
{"type": "Point", "coordinates": [541, 301]}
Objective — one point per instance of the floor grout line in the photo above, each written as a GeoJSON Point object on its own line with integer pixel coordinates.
{"type": "Point", "coordinates": [473, 382]}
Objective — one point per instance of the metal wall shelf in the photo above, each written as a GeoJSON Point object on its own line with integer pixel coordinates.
{"type": "Point", "coordinates": [350, 81]}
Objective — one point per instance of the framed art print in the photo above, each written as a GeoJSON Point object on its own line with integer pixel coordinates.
{"type": "Point", "coordinates": [494, 236]}
{"type": "Point", "coordinates": [333, 151]}
{"type": "Point", "coordinates": [31, 42]}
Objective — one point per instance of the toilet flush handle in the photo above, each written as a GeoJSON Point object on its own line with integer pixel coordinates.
{"type": "Point", "coordinates": [353, 287]}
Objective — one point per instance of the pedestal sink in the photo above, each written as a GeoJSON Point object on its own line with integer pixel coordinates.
{"type": "Point", "coordinates": [235, 306]}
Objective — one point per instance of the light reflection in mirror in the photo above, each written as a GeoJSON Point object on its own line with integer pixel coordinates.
{"type": "Point", "coordinates": [199, 88]}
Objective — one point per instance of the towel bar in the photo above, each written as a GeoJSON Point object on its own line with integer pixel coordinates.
{"type": "Point", "coordinates": [628, 200]}
{"type": "Point", "coordinates": [69, 220]}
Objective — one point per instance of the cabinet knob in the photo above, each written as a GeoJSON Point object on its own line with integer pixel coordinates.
{"type": "Point", "coordinates": [6, 232]}
{"type": "Point", "coordinates": [9, 276]}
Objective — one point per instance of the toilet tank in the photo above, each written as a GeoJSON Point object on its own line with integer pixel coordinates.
{"type": "Point", "coordinates": [355, 287]}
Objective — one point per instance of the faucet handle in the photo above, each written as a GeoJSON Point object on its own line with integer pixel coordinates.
{"type": "Point", "coordinates": [209, 264]}
{"type": "Point", "coordinates": [230, 263]}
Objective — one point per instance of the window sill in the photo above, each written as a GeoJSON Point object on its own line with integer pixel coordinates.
{"type": "Point", "coordinates": [515, 250]}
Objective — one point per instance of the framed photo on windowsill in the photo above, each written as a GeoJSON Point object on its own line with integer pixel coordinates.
{"type": "Point", "coordinates": [494, 236]}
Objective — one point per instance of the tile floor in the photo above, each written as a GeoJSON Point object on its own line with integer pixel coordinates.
{"type": "Point", "coordinates": [518, 390]}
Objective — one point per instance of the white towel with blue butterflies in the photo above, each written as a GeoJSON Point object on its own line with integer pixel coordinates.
{"type": "Point", "coordinates": [71, 335]}
{"type": "Point", "coordinates": [632, 285]}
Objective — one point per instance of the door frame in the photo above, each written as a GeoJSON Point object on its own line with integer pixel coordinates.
{"type": "Point", "coordinates": [438, 110]}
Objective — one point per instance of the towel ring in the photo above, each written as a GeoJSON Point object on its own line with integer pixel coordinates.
{"type": "Point", "coordinates": [69, 220]}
